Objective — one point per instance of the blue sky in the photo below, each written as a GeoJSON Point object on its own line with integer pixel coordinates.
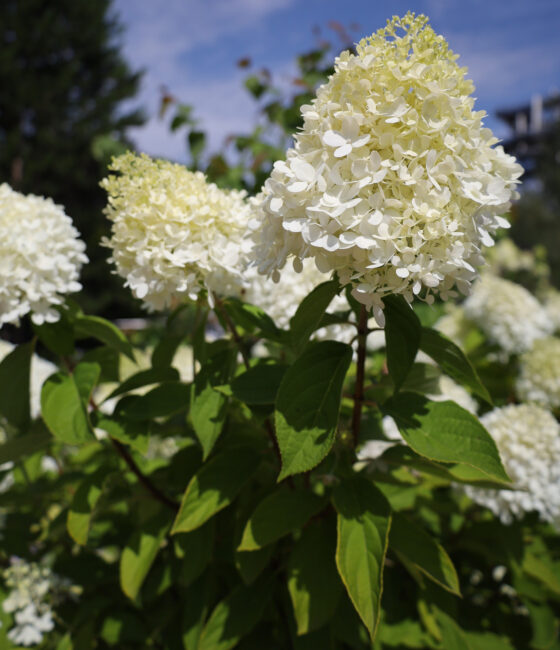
{"type": "Point", "coordinates": [511, 48]}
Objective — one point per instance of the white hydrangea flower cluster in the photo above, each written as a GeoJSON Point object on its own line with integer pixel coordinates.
{"type": "Point", "coordinates": [393, 181]}
{"type": "Point", "coordinates": [41, 256]}
{"type": "Point", "coordinates": [528, 439]}
{"type": "Point", "coordinates": [174, 233]}
{"type": "Point", "coordinates": [506, 257]}
{"type": "Point", "coordinates": [539, 374]}
{"type": "Point", "coordinates": [507, 313]}
{"type": "Point", "coordinates": [33, 589]}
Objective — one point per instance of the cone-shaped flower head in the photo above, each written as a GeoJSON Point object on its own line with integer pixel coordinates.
{"type": "Point", "coordinates": [173, 233]}
{"type": "Point", "coordinates": [528, 439]}
{"type": "Point", "coordinates": [539, 377]}
{"type": "Point", "coordinates": [507, 313]}
{"type": "Point", "coordinates": [41, 256]}
{"type": "Point", "coordinates": [392, 182]}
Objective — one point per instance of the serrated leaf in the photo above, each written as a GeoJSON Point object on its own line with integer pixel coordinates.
{"type": "Point", "coordinates": [15, 371]}
{"type": "Point", "coordinates": [104, 331]}
{"type": "Point", "coordinates": [64, 401]}
{"type": "Point", "coordinates": [443, 431]}
{"type": "Point", "coordinates": [402, 337]}
{"type": "Point", "coordinates": [157, 375]}
{"type": "Point", "coordinates": [78, 520]}
{"type": "Point", "coordinates": [277, 515]}
{"type": "Point", "coordinates": [169, 398]}
{"type": "Point", "coordinates": [409, 540]}
{"type": "Point", "coordinates": [307, 405]}
{"type": "Point", "coordinates": [313, 582]}
{"type": "Point", "coordinates": [259, 384]}
{"type": "Point", "coordinates": [215, 486]}
{"type": "Point", "coordinates": [364, 519]}
{"type": "Point", "coordinates": [310, 312]}
{"type": "Point", "coordinates": [140, 552]}
{"type": "Point", "coordinates": [452, 361]}
{"type": "Point", "coordinates": [235, 616]}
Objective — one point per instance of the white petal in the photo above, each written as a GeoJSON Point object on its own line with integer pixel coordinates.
{"type": "Point", "coordinates": [332, 139]}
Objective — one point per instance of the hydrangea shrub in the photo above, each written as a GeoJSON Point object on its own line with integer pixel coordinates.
{"type": "Point", "coordinates": [262, 466]}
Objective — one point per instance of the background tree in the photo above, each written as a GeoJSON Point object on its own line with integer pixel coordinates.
{"type": "Point", "coordinates": [61, 117]}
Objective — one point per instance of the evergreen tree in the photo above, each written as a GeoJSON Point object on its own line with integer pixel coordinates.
{"type": "Point", "coordinates": [63, 83]}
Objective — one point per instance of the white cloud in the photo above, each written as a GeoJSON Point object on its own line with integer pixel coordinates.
{"type": "Point", "coordinates": [161, 39]}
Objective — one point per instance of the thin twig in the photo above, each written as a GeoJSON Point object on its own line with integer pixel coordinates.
{"type": "Point", "coordinates": [360, 374]}
{"type": "Point", "coordinates": [125, 455]}
{"type": "Point", "coordinates": [152, 489]}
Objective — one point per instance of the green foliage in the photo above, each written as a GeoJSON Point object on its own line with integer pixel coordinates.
{"type": "Point", "coordinates": [307, 406]}
{"type": "Point", "coordinates": [402, 332]}
{"type": "Point", "coordinates": [444, 431]}
{"type": "Point", "coordinates": [154, 489]}
{"type": "Point", "coordinates": [15, 370]}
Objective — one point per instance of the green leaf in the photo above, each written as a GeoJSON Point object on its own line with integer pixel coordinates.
{"type": "Point", "coordinates": [444, 431]}
{"type": "Point", "coordinates": [409, 540]}
{"type": "Point", "coordinates": [169, 398]}
{"type": "Point", "coordinates": [251, 317]}
{"type": "Point", "coordinates": [364, 519]}
{"type": "Point", "coordinates": [16, 448]}
{"type": "Point", "coordinates": [313, 582]}
{"type": "Point", "coordinates": [81, 509]}
{"type": "Point", "coordinates": [453, 637]}
{"type": "Point", "coordinates": [157, 375]}
{"type": "Point", "coordinates": [197, 142]}
{"type": "Point", "coordinates": [235, 616]}
{"type": "Point", "coordinates": [64, 401]}
{"type": "Point", "coordinates": [129, 432]}
{"type": "Point", "coordinates": [307, 405]}
{"type": "Point", "coordinates": [198, 598]}
{"type": "Point", "coordinates": [452, 361]}
{"type": "Point", "coordinates": [15, 371]}
{"type": "Point", "coordinates": [545, 625]}
{"type": "Point", "coordinates": [250, 564]}
{"type": "Point", "coordinates": [259, 385]}
{"type": "Point", "coordinates": [277, 515]}
{"type": "Point", "coordinates": [215, 486]}
{"type": "Point", "coordinates": [402, 336]}
{"type": "Point", "coordinates": [140, 552]}
{"type": "Point", "coordinates": [195, 550]}
{"type": "Point", "coordinates": [58, 337]}
{"type": "Point", "coordinates": [208, 406]}
{"type": "Point", "coordinates": [254, 86]}
{"type": "Point", "coordinates": [310, 312]}
{"type": "Point", "coordinates": [542, 570]}
{"type": "Point", "coordinates": [487, 641]}
{"type": "Point", "coordinates": [208, 414]}
{"type": "Point", "coordinates": [104, 331]}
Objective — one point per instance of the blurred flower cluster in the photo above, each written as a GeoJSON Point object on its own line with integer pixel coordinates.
{"type": "Point", "coordinates": [34, 590]}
